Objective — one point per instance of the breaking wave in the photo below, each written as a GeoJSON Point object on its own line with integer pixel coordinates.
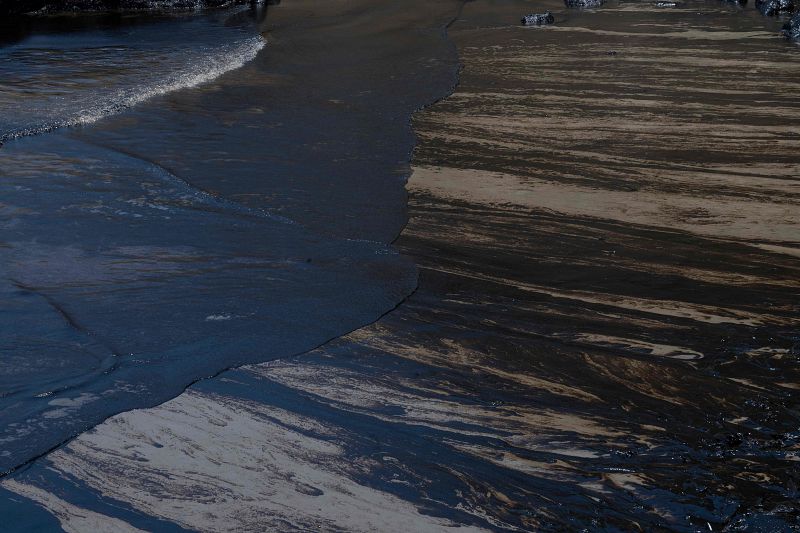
{"type": "Point", "coordinates": [64, 106]}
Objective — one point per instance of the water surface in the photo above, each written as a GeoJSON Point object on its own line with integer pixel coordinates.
{"type": "Point", "coordinates": [178, 199]}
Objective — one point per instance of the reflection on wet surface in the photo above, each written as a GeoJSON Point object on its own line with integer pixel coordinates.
{"type": "Point", "coordinates": [226, 223]}
{"type": "Point", "coordinates": [604, 336]}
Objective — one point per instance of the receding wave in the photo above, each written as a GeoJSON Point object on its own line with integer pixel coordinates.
{"type": "Point", "coordinates": [199, 68]}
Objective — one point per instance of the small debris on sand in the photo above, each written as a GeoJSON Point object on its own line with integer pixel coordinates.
{"type": "Point", "coordinates": [538, 19]}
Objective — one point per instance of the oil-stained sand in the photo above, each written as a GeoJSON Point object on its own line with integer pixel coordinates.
{"type": "Point", "coordinates": [605, 334]}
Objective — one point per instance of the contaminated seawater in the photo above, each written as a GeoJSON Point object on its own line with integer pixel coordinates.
{"type": "Point", "coordinates": [175, 200]}
{"type": "Point", "coordinates": [55, 80]}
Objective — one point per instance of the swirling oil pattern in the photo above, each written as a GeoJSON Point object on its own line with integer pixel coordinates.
{"type": "Point", "coordinates": [605, 333]}
{"type": "Point", "coordinates": [178, 198]}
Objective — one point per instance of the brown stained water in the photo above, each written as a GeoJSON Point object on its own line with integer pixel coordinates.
{"type": "Point", "coordinates": [626, 188]}
{"type": "Point", "coordinates": [605, 333]}
{"type": "Point", "coordinates": [178, 198]}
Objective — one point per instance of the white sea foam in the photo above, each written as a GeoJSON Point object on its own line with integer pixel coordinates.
{"type": "Point", "coordinates": [201, 68]}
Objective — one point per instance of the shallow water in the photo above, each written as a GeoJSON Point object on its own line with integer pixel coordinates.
{"type": "Point", "coordinates": [78, 77]}
{"type": "Point", "coordinates": [178, 199]}
{"type": "Point", "coordinates": [604, 336]}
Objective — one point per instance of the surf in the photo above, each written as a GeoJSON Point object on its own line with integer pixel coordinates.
{"type": "Point", "coordinates": [58, 81]}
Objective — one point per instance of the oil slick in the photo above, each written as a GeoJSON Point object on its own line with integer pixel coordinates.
{"type": "Point", "coordinates": [619, 363]}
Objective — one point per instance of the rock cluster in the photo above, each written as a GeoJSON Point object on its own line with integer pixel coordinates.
{"type": "Point", "coordinates": [538, 19]}
{"type": "Point", "coordinates": [791, 30]}
{"type": "Point", "coordinates": [774, 7]}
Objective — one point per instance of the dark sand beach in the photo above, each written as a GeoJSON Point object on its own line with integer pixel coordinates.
{"type": "Point", "coordinates": [604, 335]}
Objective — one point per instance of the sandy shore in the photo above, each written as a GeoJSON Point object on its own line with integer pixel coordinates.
{"type": "Point", "coordinates": [604, 336]}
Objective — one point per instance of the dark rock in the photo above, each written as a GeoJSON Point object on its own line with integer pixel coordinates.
{"type": "Point", "coordinates": [771, 8]}
{"type": "Point", "coordinates": [584, 3]}
{"type": "Point", "coordinates": [538, 19]}
{"type": "Point", "coordinates": [791, 30]}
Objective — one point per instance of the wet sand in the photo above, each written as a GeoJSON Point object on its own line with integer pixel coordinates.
{"type": "Point", "coordinates": [233, 205]}
{"type": "Point", "coordinates": [605, 332]}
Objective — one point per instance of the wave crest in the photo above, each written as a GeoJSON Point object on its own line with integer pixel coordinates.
{"type": "Point", "coordinates": [203, 69]}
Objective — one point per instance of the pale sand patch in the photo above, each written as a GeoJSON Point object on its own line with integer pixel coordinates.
{"type": "Point", "coordinates": [456, 355]}
{"type": "Point", "coordinates": [726, 218]}
{"type": "Point", "coordinates": [686, 34]}
{"type": "Point", "coordinates": [214, 463]}
{"type": "Point", "coordinates": [535, 427]}
{"type": "Point", "coordinates": [73, 519]}
{"type": "Point", "coordinates": [658, 350]}
{"type": "Point", "coordinates": [795, 252]}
